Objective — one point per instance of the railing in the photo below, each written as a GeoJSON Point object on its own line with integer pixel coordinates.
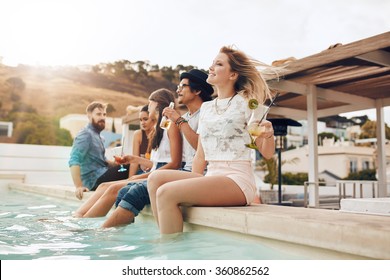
{"type": "Point", "coordinates": [344, 189]}
{"type": "Point", "coordinates": [371, 187]}
{"type": "Point", "coordinates": [317, 185]}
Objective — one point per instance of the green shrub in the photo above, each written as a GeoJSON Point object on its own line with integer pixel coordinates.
{"type": "Point", "coordinates": [363, 175]}
{"type": "Point", "coordinates": [299, 178]}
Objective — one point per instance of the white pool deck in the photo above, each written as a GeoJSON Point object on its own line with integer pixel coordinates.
{"type": "Point", "coordinates": [345, 231]}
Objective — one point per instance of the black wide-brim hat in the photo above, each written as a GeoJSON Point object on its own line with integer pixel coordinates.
{"type": "Point", "coordinates": [199, 77]}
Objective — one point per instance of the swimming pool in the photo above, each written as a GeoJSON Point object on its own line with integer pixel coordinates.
{"type": "Point", "coordinates": [38, 227]}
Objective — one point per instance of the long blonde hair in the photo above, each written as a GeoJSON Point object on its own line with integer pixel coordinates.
{"type": "Point", "coordinates": [251, 81]}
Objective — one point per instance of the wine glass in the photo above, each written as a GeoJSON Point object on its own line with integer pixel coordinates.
{"type": "Point", "coordinates": [253, 127]}
{"type": "Point", "coordinates": [259, 113]}
{"type": "Point", "coordinates": [118, 156]}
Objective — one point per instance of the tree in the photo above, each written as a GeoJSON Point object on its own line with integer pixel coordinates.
{"type": "Point", "coordinates": [324, 135]}
{"type": "Point", "coordinates": [110, 108]}
{"type": "Point", "coordinates": [31, 128]}
{"type": "Point", "coordinates": [369, 130]}
{"type": "Point", "coordinates": [168, 73]}
{"type": "Point", "coordinates": [299, 178]}
{"type": "Point", "coordinates": [16, 84]}
{"type": "Point", "coordinates": [271, 165]}
{"type": "Point", "coordinates": [15, 87]}
{"type": "Point", "coordinates": [20, 107]}
{"type": "Point", "coordinates": [113, 130]}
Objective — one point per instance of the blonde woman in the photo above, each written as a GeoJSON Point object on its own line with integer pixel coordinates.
{"type": "Point", "coordinates": [229, 180]}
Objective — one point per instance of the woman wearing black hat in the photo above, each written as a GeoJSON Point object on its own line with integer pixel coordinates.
{"type": "Point", "coordinates": [229, 180]}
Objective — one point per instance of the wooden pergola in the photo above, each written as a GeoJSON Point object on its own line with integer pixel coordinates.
{"type": "Point", "coordinates": [342, 79]}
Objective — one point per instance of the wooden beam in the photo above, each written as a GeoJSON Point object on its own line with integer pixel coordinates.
{"type": "Point", "coordinates": [329, 94]}
{"type": "Point", "coordinates": [289, 113]}
{"type": "Point", "coordinates": [386, 101]}
{"type": "Point", "coordinates": [379, 57]}
{"type": "Point", "coordinates": [288, 86]}
{"type": "Point", "coordinates": [326, 94]}
{"type": "Point", "coordinates": [353, 49]}
{"type": "Point", "coordinates": [342, 109]}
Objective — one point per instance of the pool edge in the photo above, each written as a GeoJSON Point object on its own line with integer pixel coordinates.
{"type": "Point", "coordinates": [351, 233]}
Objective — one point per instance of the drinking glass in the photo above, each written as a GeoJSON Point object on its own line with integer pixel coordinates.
{"type": "Point", "coordinates": [259, 113]}
{"type": "Point", "coordinates": [254, 128]}
{"type": "Point", "coordinates": [118, 156]}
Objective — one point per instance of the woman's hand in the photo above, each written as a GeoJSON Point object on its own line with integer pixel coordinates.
{"type": "Point", "coordinates": [265, 142]}
{"type": "Point", "coordinates": [268, 131]}
{"type": "Point", "coordinates": [128, 159]}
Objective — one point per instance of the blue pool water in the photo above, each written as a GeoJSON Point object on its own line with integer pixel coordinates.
{"type": "Point", "coordinates": [38, 227]}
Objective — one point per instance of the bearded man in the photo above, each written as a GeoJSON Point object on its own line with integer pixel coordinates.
{"type": "Point", "coordinates": [88, 164]}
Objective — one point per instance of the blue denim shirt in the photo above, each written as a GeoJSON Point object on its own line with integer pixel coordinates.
{"type": "Point", "coordinates": [88, 152]}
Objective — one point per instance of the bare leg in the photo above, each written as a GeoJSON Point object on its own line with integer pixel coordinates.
{"type": "Point", "coordinates": [120, 216]}
{"type": "Point", "coordinates": [93, 198]}
{"type": "Point", "coordinates": [103, 205]}
{"type": "Point", "coordinates": [160, 177]}
{"type": "Point", "coordinates": [203, 191]}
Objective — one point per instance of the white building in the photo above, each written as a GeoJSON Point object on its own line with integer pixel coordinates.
{"type": "Point", "coordinates": [338, 158]}
{"type": "Point", "coordinates": [75, 122]}
{"type": "Point", "coordinates": [6, 129]}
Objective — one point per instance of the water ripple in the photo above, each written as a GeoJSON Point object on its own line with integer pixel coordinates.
{"type": "Point", "coordinates": [17, 228]}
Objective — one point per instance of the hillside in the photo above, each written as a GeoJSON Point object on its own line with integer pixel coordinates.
{"type": "Point", "coordinates": [62, 91]}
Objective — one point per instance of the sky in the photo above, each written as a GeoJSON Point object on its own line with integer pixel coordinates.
{"type": "Point", "coordinates": [172, 32]}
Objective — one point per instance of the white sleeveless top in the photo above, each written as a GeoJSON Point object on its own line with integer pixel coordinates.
{"type": "Point", "coordinates": [222, 129]}
{"type": "Point", "coordinates": [163, 153]}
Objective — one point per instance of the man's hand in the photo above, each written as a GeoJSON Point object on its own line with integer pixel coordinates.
{"type": "Point", "coordinates": [80, 190]}
{"type": "Point", "coordinates": [171, 114]}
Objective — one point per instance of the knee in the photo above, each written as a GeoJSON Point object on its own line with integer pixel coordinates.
{"type": "Point", "coordinates": [137, 196]}
{"type": "Point", "coordinates": [123, 191]}
{"type": "Point", "coordinates": [153, 181]}
{"type": "Point", "coordinates": [164, 195]}
{"type": "Point", "coordinates": [111, 190]}
{"type": "Point", "coordinates": [103, 186]}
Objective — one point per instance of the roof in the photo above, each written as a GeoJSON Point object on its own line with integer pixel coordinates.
{"type": "Point", "coordinates": [346, 78]}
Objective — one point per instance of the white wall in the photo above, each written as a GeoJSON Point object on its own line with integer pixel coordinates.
{"type": "Point", "coordinates": [334, 159]}
{"type": "Point", "coordinates": [38, 164]}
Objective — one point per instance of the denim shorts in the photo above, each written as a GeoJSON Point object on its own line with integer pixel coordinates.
{"type": "Point", "coordinates": [135, 197]}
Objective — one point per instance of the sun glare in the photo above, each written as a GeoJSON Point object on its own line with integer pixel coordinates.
{"type": "Point", "coordinates": [46, 33]}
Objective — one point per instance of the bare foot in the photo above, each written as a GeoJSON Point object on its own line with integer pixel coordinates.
{"type": "Point", "coordinates": [77, 215]}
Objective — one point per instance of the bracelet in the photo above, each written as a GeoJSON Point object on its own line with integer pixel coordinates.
{"type": "Point", "coordinates": [181, 124]}
{"type": "Point", "coordinates": [180, 121]}
{"type": "Point", "coordinates": [269, 137]}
